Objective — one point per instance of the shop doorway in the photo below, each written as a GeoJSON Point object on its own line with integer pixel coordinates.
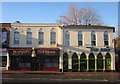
{"type": "Point", "coordinates": [91, 62]}
{"type": "Point", "coordinates": [83, 62]}
{"type": "Point", "coordinates": [74, 63]}
{"type": "Point", "coordinates": [65, 62]}
{"type": "Point", "coordinates": [108, 62]}
{"type": "Point", "coordinates": [14, 63]}
{"type": "Point", "coordinates": [99, 62]}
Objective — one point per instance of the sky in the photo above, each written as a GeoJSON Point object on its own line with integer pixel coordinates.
{"type": "Point", "coordinates": [49, 12]}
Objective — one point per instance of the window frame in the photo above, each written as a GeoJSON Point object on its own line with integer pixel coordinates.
{"type": "Point", "coordinates": [93, 38]}
{"type": "Point", "coordinates": [67, 39]}
{"type": "Point", "coordinates": [80, 41]}
{"type": "Point", "coordinates": [16, 39]}
{"type": "Point", "coordinates": [52, 36]}
{"type": "Point", "coordinates": [29, 38]}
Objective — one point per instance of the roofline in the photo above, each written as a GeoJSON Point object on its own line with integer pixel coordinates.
{"type": "Point", "coordinates": [89, 26]}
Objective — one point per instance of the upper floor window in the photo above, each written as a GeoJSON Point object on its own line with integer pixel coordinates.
{"type": "Point", "coordinates": [52, 37]}
{"type": "Point", "coordinates": [67, 38]}
{"type": "Point", "coordinates": [41, 37]}
{"type": "Point", "coordinates": [16, 36]}
{"type": "Point", "coordinates": [29, 36]}
{"type": "Point", "coordinates": [93, 39]}
{"type": "Point", "coordinates": [80, 38]}
{"type": "Point", "coordinates": [4, 35]}
{"type": "Point", "coordinates": [106, 43]}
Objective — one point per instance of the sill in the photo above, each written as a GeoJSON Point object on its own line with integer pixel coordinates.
{"type": "Point", "coordinates": [40, 44]}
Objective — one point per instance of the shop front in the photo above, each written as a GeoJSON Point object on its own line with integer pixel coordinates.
{"type": "Point", "coordinates": [45, 59]}
{"type": "Point", "coordinates": [20, 58]}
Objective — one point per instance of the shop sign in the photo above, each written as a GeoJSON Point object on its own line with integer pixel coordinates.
{"type": "Point", "coordinates": [20, 52]}
{"type": "Point", "coordinates": [100, 49]}
{"type": "Point", "coordinates": [47, 52]}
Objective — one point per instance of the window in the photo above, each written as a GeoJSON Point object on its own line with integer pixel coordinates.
{"type": "Point", "coordinates": [41, 37]}
{"type": "Point", "coordinates": [16, 36]}
{"type": "Point", "coordinates": [80, 43]}
{"type": "Point", "coordinates": [106, 38]}
{"type": "Point", "coordinates": [29, 36]}
{"type": "Point", "coordinates": [4, 36]}
{"type": "Point", "coordinates": [93, 39]}
{"type": "Point", "coordinates": [52, 37]}
{"type": "Point", "coordinates": [51, 62]}
{"type": "Point", "coordinates": [67, 38]}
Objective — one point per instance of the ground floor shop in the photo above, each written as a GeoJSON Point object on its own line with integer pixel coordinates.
{"type": "Point", "coordinates": [45, 59]}
{"type": "Point", "coordinates": [52, 59]}
{"type": "Point", "coordinates": [92, 62]}
{"type": "Point", "coordinates": [3, 58]}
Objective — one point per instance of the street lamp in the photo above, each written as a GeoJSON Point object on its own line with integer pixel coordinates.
{"type": "Point", "coordinates": [33, 52]}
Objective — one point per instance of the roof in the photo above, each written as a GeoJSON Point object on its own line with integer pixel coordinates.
{"type": "Point", "coordinates": [90, 26]}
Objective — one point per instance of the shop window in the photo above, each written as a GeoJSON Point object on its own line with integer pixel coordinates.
{"type": "Point", "coordinates": [75, 63]}
{"type": "Point", "coordinates": [51, 63]}
{"type": "Point", "coordinates": [83, 62]}
{"type": "Point", "coordinates": [4, 61]}
{"type": "Point", "coordinates": [99, 62]}
{"type": "Point", "coordinates": [41, 38]}
{"type": "Point", "coordinates": [24, 61]}
{"type": "Point", "coordinates": [91, 62]}
{"type": "Point", "coordinates": [106, 43]}
{"type": "Point", "coordinates": [16, 36]}
{"type": "Point", "coordinates": [29, 36]}
{"type": "Point", "coordinates": [67, 38]}
{"type": "Point", "coordinates": [52, 37]}
{"type": "Point", "coordinates": [80, 38]}
{"type": "Point", "coordinates": [93, 39]}
{"type": "Point", "coordinates": [108, 61]}
{"type": "Point", "coordinates": [65, 62]}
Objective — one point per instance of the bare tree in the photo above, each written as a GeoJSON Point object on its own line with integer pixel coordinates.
{"type": "Point", "coordinates": [80, 16]}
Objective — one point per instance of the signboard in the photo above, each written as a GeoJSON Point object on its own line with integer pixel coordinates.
{"type": "Point", "coordinates": [100, 49]}
{"type": "Point", "coordinates": [20, 52]}
{"type": "Point", "coordinates": [47, 52]}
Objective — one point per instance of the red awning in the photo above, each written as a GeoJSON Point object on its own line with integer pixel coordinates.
{"type": "Point", "coordinates": [34, 48]}
{"type": "Point", "coordinates": [20, 49]}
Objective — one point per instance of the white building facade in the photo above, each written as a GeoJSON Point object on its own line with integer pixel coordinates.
{"type": "Point", "coordinates": [54, 47]}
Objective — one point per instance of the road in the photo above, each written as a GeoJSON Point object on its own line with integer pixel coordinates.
{"type": "Point", "coordinates": [61, 78]}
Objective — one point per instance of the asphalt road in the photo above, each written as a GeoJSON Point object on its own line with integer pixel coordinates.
{"type": "Point", "coordinates": [60, 78]}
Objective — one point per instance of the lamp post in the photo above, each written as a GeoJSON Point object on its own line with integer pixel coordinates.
{"type": "Point", "coordinates": [33, 66]}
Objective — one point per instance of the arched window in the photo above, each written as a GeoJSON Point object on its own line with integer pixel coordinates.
{"type": "Point", "coordinates": [4, 35]}
{"type": "Point", "coordinates": [108, 61]}
{"type": "Point", "coordinates": [99, 62]}
{"type": "Point", "coordinates": [80, 38]}
{"type": "Point", "coordinates": [41, 37]}
{"type": "Point", "coordinates": [29, 36]}
{"type": "Point", "coordinates": [83, 62]}
{"type": "Point", "coordinates": [74, 62]}
{"type": "Point", "coordinates": [67, 38]}
{"type": "Point", "coordinates": [106, 43]}
{"type": "Point", "coordinates": [91, 62]}
{"type": "Point", "coordinates": [52, 36]}
{"type": "Point", "coordinates": [93, 38]}
{"type": "Point", "coordinates": [65, 62]}
{"type": "Point", "coordinates": [16, 36]}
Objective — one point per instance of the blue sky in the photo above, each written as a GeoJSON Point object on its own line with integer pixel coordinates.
{"type": "Point", "coordinates": [49, 12]}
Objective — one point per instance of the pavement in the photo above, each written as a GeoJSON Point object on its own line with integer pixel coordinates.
{"type": "Point", "coordinates": [52, 76]}
{"type": "Point", "coordinates": [51, 72]}
{"type": "Point", "coordinates": [28, 72]}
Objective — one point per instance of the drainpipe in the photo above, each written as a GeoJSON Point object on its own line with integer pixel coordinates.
{"type": "Point", "coordinates": [62, 46]}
